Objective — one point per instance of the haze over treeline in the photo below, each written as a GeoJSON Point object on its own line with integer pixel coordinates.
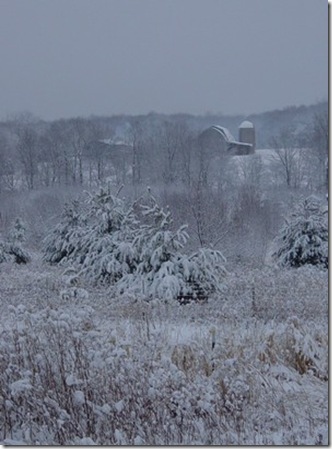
{"type": "Point", "coordinates": [267, 123]}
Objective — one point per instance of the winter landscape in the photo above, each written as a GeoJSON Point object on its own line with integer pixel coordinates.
{"type": "Point", "coordinates": [173, 314]}
{"type": "Point", "coordinates": [163, 276]}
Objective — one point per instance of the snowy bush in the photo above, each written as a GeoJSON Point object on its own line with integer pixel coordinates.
{"type": "Point", "coordinates": [19, 255]}
{"type": "Point", "coordinates": [304, 238]}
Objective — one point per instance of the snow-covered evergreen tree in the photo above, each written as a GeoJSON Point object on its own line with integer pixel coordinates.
{"type": "Point", "coordinates": [304, 237]}
{"type": "Point", "coordinates": [15, 245]}
{"type": "Point", "coordinates": [95, 237]}
{"type": "Point", "coordinates": [163, 271]}
{"type": "Point", "coordinates": [158, 250]}
{"type": "Point", "coordinates": [108, 243]}
{"type": "Point", "coordinates": [106, 251]}
{"type": "Point", "coordinates": [65, 239]}
{"type": "Point", "coordinates": [206, 271]}
{"type": "Point", "coordinates": [18, 231]}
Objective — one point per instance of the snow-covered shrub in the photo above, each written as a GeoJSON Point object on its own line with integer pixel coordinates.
{"type": "Point", "coordinates": [304, 237]}
{"type": "Point", "coordinates": [18, 254]}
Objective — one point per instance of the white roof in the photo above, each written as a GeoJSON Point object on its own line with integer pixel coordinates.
{"type": "Point", "coordinates": [225, 132]}
{"type": "Point", "coordinates": [246, 124]}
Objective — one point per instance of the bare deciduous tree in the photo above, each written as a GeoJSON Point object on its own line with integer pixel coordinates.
{"type": "Point", "coordinates": [28, 150]}
{"type": "Point", "coordinates": [317, 139]}
{"type": "Point", "coordinates": [288, 157]}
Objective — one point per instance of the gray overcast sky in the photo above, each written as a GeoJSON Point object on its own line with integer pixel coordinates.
{"type": "Point", "coordinates": [62, 58]}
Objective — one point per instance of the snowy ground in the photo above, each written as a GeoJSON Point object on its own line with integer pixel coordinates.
{"type": "Point", "coordinates": [80, 366]}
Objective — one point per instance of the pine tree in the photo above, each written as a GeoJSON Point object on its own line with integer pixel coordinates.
{"type": "Point", "coordinates": [157, 248]}
{"type": "Point", "coordinates": [95, 237]}
{"type": "Point", "coordinates": [304, 237]}
{"type": "Point", "coordinates": [18, 231]}
{"type": "Point", "coordinates": [206, 272]}
{"type": "Point", "coordinates": [65, 240]}
{"type": "Point", "coordinates": [16, 240]}
{"type": "Point", "coordinates": [106, 252]}
{"type": "Point", "coordinates": [133, 247]}
{"type": "Point", "coordinates": [163, 270]}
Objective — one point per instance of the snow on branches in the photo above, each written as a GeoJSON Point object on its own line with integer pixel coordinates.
{"type": "Point", "coordinates": [135, 248]}
{"type": "Point", "coordinates": [304, 237]}
{"type": "Point", "coordinates": [64, 240]}
{"type": "Point", "coordinates": [106, 251]}
{"type": "Point", "coordinates": [13, 248]}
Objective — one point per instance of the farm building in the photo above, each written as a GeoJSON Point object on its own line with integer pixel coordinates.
{"type": "Point", "coordinates": [219, 139]}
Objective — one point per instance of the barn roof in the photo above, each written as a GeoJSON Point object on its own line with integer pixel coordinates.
{"type": "Point", "coordinates": [224, 131]}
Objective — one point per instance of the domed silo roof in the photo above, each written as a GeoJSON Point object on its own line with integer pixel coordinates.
{"type": "Point", "coordinates": [246, 124]}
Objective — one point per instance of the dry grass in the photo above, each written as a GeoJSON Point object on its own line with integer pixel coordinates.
{"type": "Point", "coordinates": [105, 370]}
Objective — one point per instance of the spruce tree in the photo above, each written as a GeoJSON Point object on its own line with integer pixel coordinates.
{"type": "Point", "coordinates": [304, 237]}
{"type": "Point", "coordinates": [163, 269]}
{"type": "Point", "coordinates": [64, 241]}
{"type": "Point", "coordinates": [15, 246]}
{"type": "Point", "coordinates": [106, 252]}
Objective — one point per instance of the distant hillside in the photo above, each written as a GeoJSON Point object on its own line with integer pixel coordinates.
{"type": "Point", "coordinates": [267, 124]}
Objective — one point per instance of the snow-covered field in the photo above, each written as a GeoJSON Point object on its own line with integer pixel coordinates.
{"type": "Point", "coordinates": [81, 366]}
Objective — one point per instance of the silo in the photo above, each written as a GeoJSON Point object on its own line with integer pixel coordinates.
{"type": "Point", "coordinates": [247, 134]}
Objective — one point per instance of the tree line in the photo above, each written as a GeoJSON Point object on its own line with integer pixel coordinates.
{"type": "Point", "coordinates": [150, 149]}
